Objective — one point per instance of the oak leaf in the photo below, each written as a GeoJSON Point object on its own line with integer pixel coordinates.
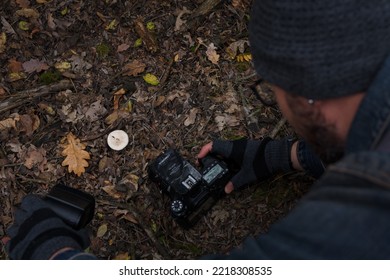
{"type": "Point", "coordinates": [76, 156]}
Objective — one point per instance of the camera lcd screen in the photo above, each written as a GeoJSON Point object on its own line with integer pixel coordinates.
{"type": "Point", "coordinates": [212, 173]}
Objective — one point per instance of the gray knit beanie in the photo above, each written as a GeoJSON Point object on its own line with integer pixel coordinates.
{"type": "Point", "coordinates": [320, 48]}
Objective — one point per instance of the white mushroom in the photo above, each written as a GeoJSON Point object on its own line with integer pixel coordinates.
{"type": "Point", "coordinates": [117, 140]}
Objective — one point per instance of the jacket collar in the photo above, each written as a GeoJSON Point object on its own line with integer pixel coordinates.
{"type": "Point", "coordinates": [371, 124]}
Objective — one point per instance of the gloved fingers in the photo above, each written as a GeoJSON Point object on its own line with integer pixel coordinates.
{"type": "Point", "coordinates": [222, 148]}
{"type": "Point", "coordinates": [241, 179]}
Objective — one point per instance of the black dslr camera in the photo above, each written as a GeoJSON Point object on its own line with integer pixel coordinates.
{"type": "Point", "coordinates": [192, 192]}
{"type": "Point", "coordinates": [75, 208]}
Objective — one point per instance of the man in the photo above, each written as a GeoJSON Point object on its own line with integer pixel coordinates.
{"type": "Point", "coordinates": [329, 66]}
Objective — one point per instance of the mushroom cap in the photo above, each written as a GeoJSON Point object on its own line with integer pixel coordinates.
{"type": "Point", "coordinates": [117, 140]}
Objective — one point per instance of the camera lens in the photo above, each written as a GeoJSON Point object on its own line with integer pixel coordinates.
{"type": "Point", "coordinates": [177, 206]}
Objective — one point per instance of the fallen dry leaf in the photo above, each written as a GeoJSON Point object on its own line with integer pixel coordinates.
{"type": "Point", "coordinates": [122, 256]}
{"type": "Point", "coordinates": [179, 21]}
{"type": "Point", "coordinates": [235, 47]}
{"type": "Point", "coordinates": [29, 123]}
{"type": "Point", "coordinates": [102, 230]}
{"type": "Point", "coordinates": [191, 117]}
{"type": "Point", "coordinates": [212, 54]}
{"type": "Point", "coordinates": [109, 188]}
{"type": "Point", "coordinates": [14, 66]}
{"type": "Point", "coordinates": [27, 13]}
{"type": "Point", "coordinates": [117, 96]}
{"type": "Point", "coordinates": [23, 3]}
{"type": "Point", "coordinates": [76, 156]}
{"type": "Point", "coordinates": [36, 157]}
{"type": "Point", "coordinates": [34, 65]}
{"type": "Point", "coordinates": [134, 68]}
{"type": "Point", "coordinates": [3, 40]}
{"type": "Point", "coordinates": [122, 47]}
{"type": "Point", "coordinates": [8, 123]}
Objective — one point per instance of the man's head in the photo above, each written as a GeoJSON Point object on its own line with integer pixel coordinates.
{"type": "Point", "coordinates": [325, 51]}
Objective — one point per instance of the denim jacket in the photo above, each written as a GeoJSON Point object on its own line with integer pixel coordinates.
{"type": "Point", "coordinates": [346, 214]}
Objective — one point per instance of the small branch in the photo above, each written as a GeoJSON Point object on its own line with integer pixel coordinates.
{"type": "Point", "coordinates": [277, 128]}
{"type": "Point", "coordinates": [16, 100]}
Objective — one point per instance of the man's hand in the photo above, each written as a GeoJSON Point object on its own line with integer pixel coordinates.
{"type": "Point", "coordinates": [257, 160]}
{"type": "Point", "coordinates": [38, 233]}
{"type": "Point", "coordinates": [248, 155]}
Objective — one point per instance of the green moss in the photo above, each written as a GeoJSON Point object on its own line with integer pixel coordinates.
{"type": "Point", "coordinates": [102, 50]}
{"type": "Point", "coordinates": [242, 66]}
{"type": "Point", "coordinates": [49, 77]}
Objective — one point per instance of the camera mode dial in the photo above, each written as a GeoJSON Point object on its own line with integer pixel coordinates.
{"type": "Point", "coordinates": [177, 206]}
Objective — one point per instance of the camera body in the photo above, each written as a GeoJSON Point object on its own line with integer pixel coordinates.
{"type": "Point", "coordinates": [74, 207]}
{"type": "Point", "coordinates": [192, 192]}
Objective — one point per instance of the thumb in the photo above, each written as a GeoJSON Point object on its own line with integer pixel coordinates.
{"type": "Point", "coordinates": [229, 187]}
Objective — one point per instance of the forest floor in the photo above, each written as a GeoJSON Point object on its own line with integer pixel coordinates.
{"type": "Point", "coordinates": [171, 74]}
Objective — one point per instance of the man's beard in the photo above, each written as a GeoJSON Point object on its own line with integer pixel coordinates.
{"type": "Point", "coordinates": [324, 141]}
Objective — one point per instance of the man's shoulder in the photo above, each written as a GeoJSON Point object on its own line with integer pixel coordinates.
{"type": "Point", "coordinates": [373, 166]}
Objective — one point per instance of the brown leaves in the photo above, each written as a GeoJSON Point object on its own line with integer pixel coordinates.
{"type": "Point", "coordinates": [23, 3]}
{"type": "Point", "coordinates": [76, 156]}
{"type": "Point", "coordinates": [134, 68]}
{"type": "Point", "coordinates": [3, 40]}
{"type": "Point", "coordinates": [22, 123]}
{"type": "Point", "coordinates": [212, 54]}
{"type": "Point", "coordinates": [34, 65]}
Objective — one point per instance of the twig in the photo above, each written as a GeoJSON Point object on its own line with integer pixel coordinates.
{"type": "Point", "coordinates": [166, 73]}
{"type": "Point", "coordinates": [278, 127]}
{"type": "Point", "coordinates": [16, 100]}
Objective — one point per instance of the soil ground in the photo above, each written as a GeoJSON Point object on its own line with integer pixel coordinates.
{"type": "Point", "coordinates": [78, 67]}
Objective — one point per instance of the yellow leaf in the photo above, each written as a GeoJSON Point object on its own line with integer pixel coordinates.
{"type": "Point", "coordinates": [75, 154]}
{"type": "Point", "coordinates": [151, 79]}
{"type": "Point", "coordinates": [42, 1]}
{"type": "Point", "coordinates": [112, 25]}
{"type": "Point", "coordinates": [122, 256]}
{"type": "Point", "coordinates": [3, 40]}
{"type": "Point", "coordinates": [23, 25]}
{"type": "Point", "coordinates": [138, 43]}
{"type": "Point", "coordinates": [150, 26]}
{"type": "Point", "coordinates": [102, 230]}
{"type": "Point", "coordinates": [244, 57]}
{"type": "Point", "coordinates": [16, 76]}
{"type": "Point", "coordinates": [65, 11]}
{"type": "Point", "coordinates": [62, 66]}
